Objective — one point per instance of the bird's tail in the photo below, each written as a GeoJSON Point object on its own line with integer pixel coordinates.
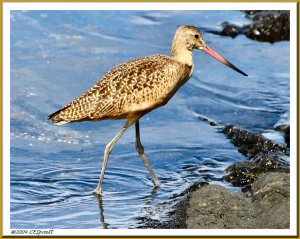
{"type": "Point", "coordinates": [56, 118]}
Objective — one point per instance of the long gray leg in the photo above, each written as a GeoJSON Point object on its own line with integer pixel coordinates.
{"type": "Point", "coordinates": [109, 147]}
{"type": "Point", "coordinates": [140, 149]}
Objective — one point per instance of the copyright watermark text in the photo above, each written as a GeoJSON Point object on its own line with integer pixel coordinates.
{"type": "Point", "coordinates": [34, 232]}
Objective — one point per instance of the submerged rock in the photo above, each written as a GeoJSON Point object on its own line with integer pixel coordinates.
{"type": "Point", "coordinates": [215, 207]}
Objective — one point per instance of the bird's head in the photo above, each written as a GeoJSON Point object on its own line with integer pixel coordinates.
{"type": "Point", "coordinates": [189, 38]}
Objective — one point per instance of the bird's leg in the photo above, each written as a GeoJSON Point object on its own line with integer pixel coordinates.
{"type": "Point", "coordinates": [140, 149]}
{"type": "Point", "coordinates": [109, 147]}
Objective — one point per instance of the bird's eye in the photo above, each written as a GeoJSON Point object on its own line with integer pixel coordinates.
{"type": "Point", "coordinates": [196, 36]}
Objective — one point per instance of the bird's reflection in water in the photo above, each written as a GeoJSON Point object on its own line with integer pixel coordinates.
{"type": "Point", "coordinates": [100, 203]}
{"type": "Point", "coordinates": [148, 200]}
{"type": "Point", "coordinates": [154, 192]}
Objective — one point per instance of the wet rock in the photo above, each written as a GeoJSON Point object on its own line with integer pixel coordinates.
{"type": "Point", "coordinates": [270, 28]}
{"type": "Point", "coordinates": [250, 144]}
{"type": "Point", "coordinates": [241, 174]}
{"type": "Point", "coordinates": [267, 26]}
{"type": "Point", "coordinates": [245, 173]}
{"type": "Point", "coordinates": [271, 161]}
{"type": "Point", "coordinates": [231, 30]}
{"type": "Point", "coordinates": [285, 129]}
{"type": "Point", "coordinates": [264, 154]}
{"type": "Point", "coordinates": [215, 207]}
{"type": "Point", "coordinates": [206, 119]}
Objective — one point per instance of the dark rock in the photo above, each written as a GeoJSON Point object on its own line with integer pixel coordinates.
{"type": "Point", "coordinates": [267, 26]}
{"type": "Point", "coordinates": [206, 119]}
{"type": "Point", "coordinates": [250, 144]}
{"type": "Point", "coordinates": [241, 174]}
{"type": "Point", "coordinates": [245, 173]}
{"type": "Point", "coordinates": [285, 129]}
{"type": "Point", "coordinates": [264, 155]}
{"type": "Point", "coordinates": [271, 161]}
{"type": "Point", "coordinates": [271, 28]}
{"type": "Point", "coordinates": [213, 123]}
{"type": "Point", "coordinates": [215, 207]}
{"type": "Point", "coordinates": [231, 30]}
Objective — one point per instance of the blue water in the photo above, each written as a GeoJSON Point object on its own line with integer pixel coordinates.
{"type": "Point", "coordinates": [58, 55]}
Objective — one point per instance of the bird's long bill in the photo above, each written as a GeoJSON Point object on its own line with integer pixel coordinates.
{"type": "Point", "coordinates": [220, 58]}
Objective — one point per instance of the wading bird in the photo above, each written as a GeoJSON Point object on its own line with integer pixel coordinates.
{"type": "Point", "coordinates": [134, 88]}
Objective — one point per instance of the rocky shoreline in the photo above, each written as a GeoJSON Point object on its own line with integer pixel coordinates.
{"type": "Point", "coordinates": [264, 200]}
{"type": "Point", "coordinates": [265, 190]}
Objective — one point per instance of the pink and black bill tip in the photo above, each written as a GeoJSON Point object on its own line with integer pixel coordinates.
{"type": "Point", "coordinates": [220, 58]}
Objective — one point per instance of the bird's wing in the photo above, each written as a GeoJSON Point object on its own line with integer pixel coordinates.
{"type": "Point", "coordinates": [126, 85]}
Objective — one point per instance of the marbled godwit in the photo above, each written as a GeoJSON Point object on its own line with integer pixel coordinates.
{"type": "Point", "coordinates": [133, 89]}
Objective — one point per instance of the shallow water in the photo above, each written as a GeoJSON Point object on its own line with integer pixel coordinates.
{"type": "Point", "coordinates": [57, 55]}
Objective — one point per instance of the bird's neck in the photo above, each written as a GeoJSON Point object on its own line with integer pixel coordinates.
{"type": "Point", "coordinates": [182, 55]}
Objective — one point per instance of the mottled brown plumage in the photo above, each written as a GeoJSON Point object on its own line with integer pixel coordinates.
{"type": "Point", "coordinates": [128, 91]}
{"type": "Point", "coordinates": [136, 87]}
